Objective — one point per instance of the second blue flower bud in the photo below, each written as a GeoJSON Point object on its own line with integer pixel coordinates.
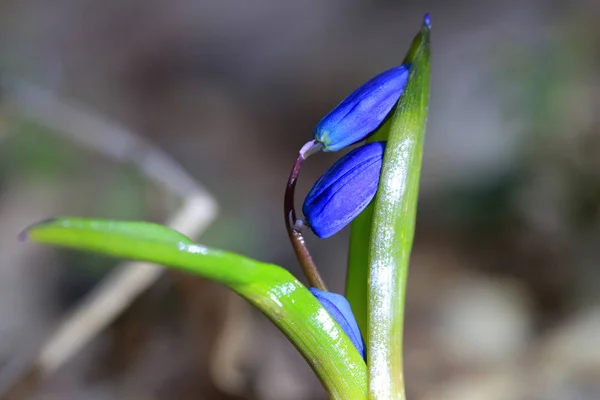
{"type": "Point", "coordinates": [345, 190]}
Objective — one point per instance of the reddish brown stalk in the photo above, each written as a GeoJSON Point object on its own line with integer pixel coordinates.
{"type": "Point", "coordinates": [294, 226]}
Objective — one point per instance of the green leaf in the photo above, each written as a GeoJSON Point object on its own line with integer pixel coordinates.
{"type": "Point", "coordinates": [392, 231]}
{"type": "Point", "coordinates": [272, 289]}
{"type": "Point", "coordinates": [358, 252]}
{"type": "Point", "coordinates": [360, 234]}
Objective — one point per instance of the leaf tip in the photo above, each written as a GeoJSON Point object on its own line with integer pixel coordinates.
{"type": "Point", "coordinates": [24, 236]}
{"type": "Point", "coordinates": [427, 21]}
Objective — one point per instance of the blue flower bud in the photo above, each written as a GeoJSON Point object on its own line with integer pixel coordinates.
{"type": "Point", "coordinates": [363, 111]}
{"type": "Point", "coordinates": [338, 307]}
{"type": "Point", "coordinates": [344, 190]}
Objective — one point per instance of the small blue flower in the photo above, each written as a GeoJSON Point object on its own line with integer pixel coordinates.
{"type": "Point", "coordinates": [344, 190]}
{"type": "Point", "coordinates": [338, 307]}
{"type": "Point", "coordinates": [363, 111]}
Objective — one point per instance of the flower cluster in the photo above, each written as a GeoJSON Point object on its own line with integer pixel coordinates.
{"type": "Point", "coordinates": [351, 184]}
{"type": "Point", "coordinates": [348, 187]}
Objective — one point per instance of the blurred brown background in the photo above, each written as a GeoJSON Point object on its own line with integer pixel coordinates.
{"type": "Point", "coordinates": [504, 299]}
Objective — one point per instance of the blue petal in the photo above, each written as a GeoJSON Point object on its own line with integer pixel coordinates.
{"type": "Point", "coordinates": [339, 308]}
{"type": "Point", "coordinates": [363, 111]}
{"type": "Point", "coordinates": [345, 190]}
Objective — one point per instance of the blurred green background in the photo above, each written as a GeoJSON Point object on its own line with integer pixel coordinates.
{"type": "Point", "coordinates": [503, 295]}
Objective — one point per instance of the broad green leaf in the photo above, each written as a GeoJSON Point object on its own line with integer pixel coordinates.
{"type": "Point", "coordinates": [272, 289]}
{"type": "Point", "coordinates": [392, 231]}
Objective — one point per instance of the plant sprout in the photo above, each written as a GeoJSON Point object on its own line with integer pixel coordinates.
{"type": "Point", "coordinates": [353, 343]}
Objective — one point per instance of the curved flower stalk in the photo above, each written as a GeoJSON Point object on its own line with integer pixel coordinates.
{"type": "Point", "coordinates": [294, 226]}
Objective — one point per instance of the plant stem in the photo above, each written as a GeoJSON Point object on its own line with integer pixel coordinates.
{"type": "Point", "coordinates": [294, 226]}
